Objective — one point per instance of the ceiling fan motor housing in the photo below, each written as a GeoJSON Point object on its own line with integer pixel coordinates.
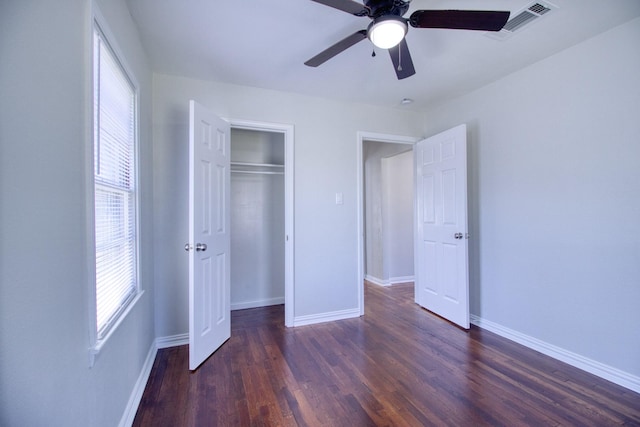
{"type": "Point", "coordinates": [379, 8]}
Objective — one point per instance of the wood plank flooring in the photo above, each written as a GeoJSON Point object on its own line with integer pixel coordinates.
{"type": "Point", "coordinates": [398, 365]}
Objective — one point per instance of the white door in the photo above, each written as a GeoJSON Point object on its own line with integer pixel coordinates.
{"type": "Point", "coordinates": [441, 260]}
{"type": "Point", "coordinates": [209, 243]}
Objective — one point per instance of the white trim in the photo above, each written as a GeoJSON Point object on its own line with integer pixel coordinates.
{"type": "Point", "coordinates": [598, 369]}
{"type": "Point", "coordinates": [172, 341]}
{"type": "Point", "coordinates": [376, 281]}
{"type": "Point", "coordinates": [384, 137]}
{"type": "Point", "coordinates": [90, 187]}
{"type": "Point", "coordinates": [95, 349]}
{"type": "Point", "coordinates": [138, 389]}
{"type": "Point", "coordinates": [97, 21]}
{"type": "Point", "coordinates": [289, 214]}
{"type": "Point", "coordinates": [361, 137]}
{"type": "Point", "coordinates": [401, 279]}
{"type": "Point", "coordinates": [390, 281]}
{"type": "Point", "coordinates": [257, 303]}
{"type": "Point", "coordinates": [135, 398]}
{"type": "Point", "coordinates": [326, 317]}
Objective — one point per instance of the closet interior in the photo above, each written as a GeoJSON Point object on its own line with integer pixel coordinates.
{"type": "Point", "coordinates": [257, 218]}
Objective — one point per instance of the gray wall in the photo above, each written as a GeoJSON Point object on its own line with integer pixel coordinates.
{"type": "Point", "coordinates": [385, 204]}
{"type": "Point", "coordinates": [554, 159]}
{"type": "Point", "coordinates": [397, 216]}
{"type": "Point", "coordinates": [326, 235]}
{"type": "Point", "coordinates": [45, 379]}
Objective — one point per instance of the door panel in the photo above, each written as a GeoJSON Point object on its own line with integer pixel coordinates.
{"type": "Point", "coordinates": [442, 283]}
{"type": "Point", "coordinates": [209, 288]}
{"type": "Point", "coordinates": [428, 192]}
{"type": "Point", "coordinates": [449, 210]}
{"type": "Point", "coordinates": [428, 268]}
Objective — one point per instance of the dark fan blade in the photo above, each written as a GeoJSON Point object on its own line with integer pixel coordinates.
{"type": "Point", "coordinates": [348, 6]}
{"type": "Point", "coordinates": [401, 59]}
{"type": "Point", "coordinates": [332, 51]}
{"type": "Point", "coordinates": [485, 20]}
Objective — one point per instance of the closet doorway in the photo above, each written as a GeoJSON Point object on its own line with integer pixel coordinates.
{"type": "Point", "coordinates": [261, 208]}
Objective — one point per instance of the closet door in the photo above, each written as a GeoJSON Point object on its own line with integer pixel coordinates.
{"type": "Point", "coordinates": [209, 234]}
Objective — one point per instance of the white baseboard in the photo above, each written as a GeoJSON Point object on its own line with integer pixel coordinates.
{"type": "Point", "coordinates": [172, 341]}
{"type": "Point", "coordinates": [390, 281]}
{"type": "Point", "coordinates": [376, 281]}
{"type": "Point", "coordinates": [601, 370]}
{"type": "Point", "coordinates": [257, 303]}
{"type": "Point", "coordinates": [182, 339]}
{"type": "Point", "coordinates": [401, 279]}
{"type": "Point", "coordinates": [326, 317]}
{"type": "Point", "coordinates": [138, 389]}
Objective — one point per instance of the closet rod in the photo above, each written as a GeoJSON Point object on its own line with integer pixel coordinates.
{"type": "Point", "coordinates": [258, 172]}
{"type": "Point", "coordinates": [262, 165]}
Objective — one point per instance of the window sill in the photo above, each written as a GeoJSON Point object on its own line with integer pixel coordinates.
{"type": "Point", "coordinates": [95, 350]}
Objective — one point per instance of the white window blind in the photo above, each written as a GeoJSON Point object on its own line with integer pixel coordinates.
{"type": "Point", "coordinates": [115, 186]}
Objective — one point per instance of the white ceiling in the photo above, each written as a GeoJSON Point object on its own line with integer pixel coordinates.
{"type": "Point", "coordinates": [264, 43]}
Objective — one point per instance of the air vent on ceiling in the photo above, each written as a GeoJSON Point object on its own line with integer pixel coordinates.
{"type": "Point", "coordinates": [531, 13]}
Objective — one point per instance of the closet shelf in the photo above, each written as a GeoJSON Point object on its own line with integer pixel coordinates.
{"type": "Point", "coordinates": [257, 168]}
{"type": "Point", "coordinates": [258, 172]}
{"type": "Point", "coordinates": [257, 165]}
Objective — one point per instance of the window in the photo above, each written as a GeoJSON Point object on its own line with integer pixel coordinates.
{"type": "Point", "coordinates": [115, 187]}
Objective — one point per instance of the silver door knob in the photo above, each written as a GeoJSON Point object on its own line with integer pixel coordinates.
{"type": "Point", "coordinates": [201, 247]}
{"type": "Point", "coordinates": [458, 236]}
{"type": "Point", "coordinates": [188, 247]}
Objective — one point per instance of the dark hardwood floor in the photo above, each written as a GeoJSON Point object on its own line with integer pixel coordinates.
{"type": "Point", "coordinates": [398, 365]}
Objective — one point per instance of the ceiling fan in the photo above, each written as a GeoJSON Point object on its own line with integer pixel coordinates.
{"type": "Point", "coordinates": [388, 28]}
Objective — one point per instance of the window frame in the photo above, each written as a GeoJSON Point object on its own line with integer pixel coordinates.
{"type": "Point", "coordinates": [97, 24]}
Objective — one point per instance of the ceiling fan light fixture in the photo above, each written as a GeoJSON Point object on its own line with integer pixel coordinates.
{"type": "Point", "coordinates": [387, 31]}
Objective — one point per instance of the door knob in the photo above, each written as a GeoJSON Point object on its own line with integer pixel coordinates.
{"type": "Point", "coordinates": [187, 247]}
{"type": "Point", "coordinates": [201, 247]}
{"type": "Point", "coordinates": [458, 236]}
